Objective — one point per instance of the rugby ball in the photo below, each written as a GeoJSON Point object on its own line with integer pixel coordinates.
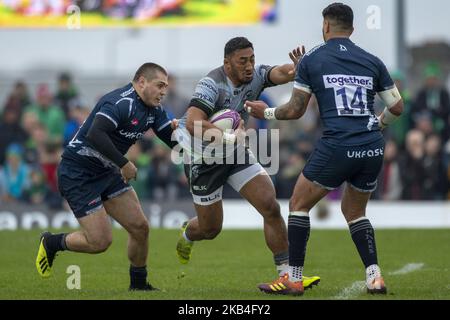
{"type": "Point", "coordinates": [226, 119]}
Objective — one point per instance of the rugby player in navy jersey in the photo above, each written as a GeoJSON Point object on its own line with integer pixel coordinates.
{"type": "Point", "coordinates": [345, 79]}
{"type": "Point", "coordinates": [93, 174]}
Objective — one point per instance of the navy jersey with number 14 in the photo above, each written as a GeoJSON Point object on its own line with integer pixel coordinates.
{"type": "Point", "coordinates": [345, 80]}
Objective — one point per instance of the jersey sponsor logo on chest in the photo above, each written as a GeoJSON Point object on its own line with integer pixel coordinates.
{"type": "Point", "coordinates": [247, 94]}
{"type": "Point", "coordinates": [150, 120]}
{"type": "Point", "coordinates": [350, 93]}
{"type": "Point", "coordinates": [236, 100]}
{"type": "Point", "coordinates": [343, 80]}
{"type": "Point", "coordinates": [131, 135]}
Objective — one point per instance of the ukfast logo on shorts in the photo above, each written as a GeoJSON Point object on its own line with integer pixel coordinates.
{"type": "Point", "coordinates": [350, 93]}
{"type": "Point", "coordinates": [365, 153]}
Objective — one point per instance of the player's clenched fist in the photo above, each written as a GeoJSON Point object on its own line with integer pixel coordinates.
{"type": "Point", "coordinates": [256, 108]}
{"type": "Point", "coordinates": [129, 171]}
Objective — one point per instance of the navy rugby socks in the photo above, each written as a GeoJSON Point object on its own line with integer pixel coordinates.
{"type": "Point", "coordinates": [298, 235]}
{"type": "Point", "coordinates": [56, 242]}
{"type": "Point", "coordinates": [363, 236]}
{"type": "Point", "coordinates": [138, 277]}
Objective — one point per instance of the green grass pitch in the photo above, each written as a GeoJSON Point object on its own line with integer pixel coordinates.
{"type": "Point", "coordinates": [230, 267]}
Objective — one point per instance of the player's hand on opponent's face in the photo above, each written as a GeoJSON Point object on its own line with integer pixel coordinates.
{"type": "Point", "coordinates": [296, 55]}
{"type": "Point", "coordinates": [174, 124]}
{"type": "Point", "coordinates": [256, 108]}
{"type": "Point", "coordinates": [128, 171]}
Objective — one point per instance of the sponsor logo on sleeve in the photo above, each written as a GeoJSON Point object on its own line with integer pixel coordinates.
{"type": "Point", "coordinates": [205, 97]}
{"type": "Point", "coordinates": [206, 84]}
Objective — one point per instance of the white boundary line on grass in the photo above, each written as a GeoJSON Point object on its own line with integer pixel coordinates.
{"type": "Point", "coordinates": [351, 291]}
{"type": "Point", "coordinates": [410, 267]}
{"type": "Point", "coordinates": [358, 286]}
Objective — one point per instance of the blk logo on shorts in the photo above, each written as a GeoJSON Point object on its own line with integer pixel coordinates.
{"type": "Point", "coordinates": [210, 198]}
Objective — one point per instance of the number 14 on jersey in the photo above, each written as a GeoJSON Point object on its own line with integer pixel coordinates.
{"type": "Point", "coordinates": [350, 94]}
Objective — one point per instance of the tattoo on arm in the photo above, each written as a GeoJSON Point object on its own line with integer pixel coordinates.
{"type": "Point", "coordinates": [296, 106]}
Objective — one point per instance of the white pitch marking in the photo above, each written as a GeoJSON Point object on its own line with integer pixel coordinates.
{"type": "Point", "coordinates": [407, 268]}
{"type": "Point", "coordinates": [348, 292]}
{"type": "Point", "coordinates": [359, 286]}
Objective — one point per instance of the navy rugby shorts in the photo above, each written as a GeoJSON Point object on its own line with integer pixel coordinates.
{"type": "Point", "coordinates": [330, 165]}
{"type": "Point", "coordinates": [85, 190]}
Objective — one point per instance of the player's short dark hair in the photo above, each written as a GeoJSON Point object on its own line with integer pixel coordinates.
{"type": "Point", "coordinates": [341, 13]}
{"type": "Point", "coordinates": [148, 71]}
{"type": "Point", "coordinates": [236, 44]}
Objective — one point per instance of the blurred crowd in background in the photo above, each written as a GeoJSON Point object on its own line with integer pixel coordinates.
{"type": "Point", "coordinates": [135, 9]}
{"type": "Point", "coordinates": [35, 126]}
{"type": "Point", "coordinates": [139, 9]}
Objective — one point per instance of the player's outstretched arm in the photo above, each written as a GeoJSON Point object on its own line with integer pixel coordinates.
{"type": "Point", "coordinates": [166, 134]}
{"type": "Point", "coordinates": [294, 109]}
{"type": "Point", "coordinates": [285, 73]}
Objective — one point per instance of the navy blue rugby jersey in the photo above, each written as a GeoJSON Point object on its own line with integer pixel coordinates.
{"type": "Point", "coordinates": [345, 79]}
{"type": "Point", "coordinates": [132, 119]}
